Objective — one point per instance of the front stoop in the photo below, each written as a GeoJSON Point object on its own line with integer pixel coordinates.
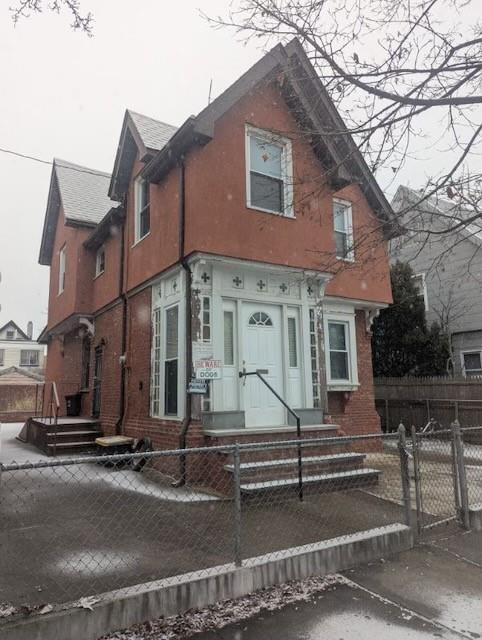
{"type": "Point", "coordinates": [71, 435]}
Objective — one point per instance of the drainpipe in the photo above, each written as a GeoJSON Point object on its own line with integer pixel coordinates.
{"type": "Point", "coordinates": [118, 424]}
{"type": "Point", "coordinates": [182, 236]}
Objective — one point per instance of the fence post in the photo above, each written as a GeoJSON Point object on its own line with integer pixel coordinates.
{"type": "Point", "coordinates": [237, 505]}
{"type": "Point", "coordinates": [417, 479]}
{"type": "Point", "coordinates": [405, 474]}
{"type": "Point", "coordinates": [462, 500]}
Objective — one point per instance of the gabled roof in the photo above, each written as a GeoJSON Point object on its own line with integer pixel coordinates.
{"type": "Point", "coordinates": [405, 197]}
{"type": "Point", "coordinates": [154, 133]}
{"type": "Point", "coordinates": [313, 107]}
{"type": "Point", "coordinates": [14, 325]}
{"type": "Point", "coordinates": [17, 375]}
{"type": "Point", "coordinates": [140, 135]}
{"type": "Point", "coordinates": [82, 193]}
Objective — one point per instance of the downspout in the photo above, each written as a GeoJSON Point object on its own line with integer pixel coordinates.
{"type": "Point", "coordinates": [122, 295]}
{"type": "Point", "coordinates": [188, 334]}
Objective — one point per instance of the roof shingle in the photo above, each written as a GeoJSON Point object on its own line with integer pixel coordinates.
{"type": "Point", "coordinates": [154, 133]}
{"type": "Point", "coordinates": [83, 192]}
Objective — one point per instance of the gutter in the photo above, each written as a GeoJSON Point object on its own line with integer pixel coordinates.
{"type": "Point", "coordinates": [188, 335]}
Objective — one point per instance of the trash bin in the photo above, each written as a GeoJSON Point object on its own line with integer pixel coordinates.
{"type": "Point", "coordinates": [73, 403]}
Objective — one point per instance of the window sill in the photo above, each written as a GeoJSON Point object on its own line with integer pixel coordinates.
{"type": "Point", "coordinates": [167, 418]}
{"type": "Point", "coordinates": [351, 260]}
{"type": "Point", "coordinates": [99, 274]}
{"type": "Point", "coordinates": [140, 240]}
{"type": "Point", "coordinates": [343, 386]}
{"type": "Point", "coordinates": [280, 214]}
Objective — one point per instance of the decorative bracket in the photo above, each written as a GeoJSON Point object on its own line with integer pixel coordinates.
{"type": "Point", "coordinates": [370, 315]}
{"type": "Point", "coordinates": [85, 322]}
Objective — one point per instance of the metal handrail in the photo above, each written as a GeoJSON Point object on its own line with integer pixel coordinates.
{"type": "Point", "coordinates": [258, 373]}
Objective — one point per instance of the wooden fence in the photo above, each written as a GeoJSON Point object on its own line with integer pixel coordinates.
{"type": "Point", "coordinates": [417, 400]}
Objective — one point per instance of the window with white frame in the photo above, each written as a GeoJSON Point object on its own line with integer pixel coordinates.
{"type": "Point", "coordinates": [292, 342]}
{"type": "Point", "coordinates": [343, 227]}
{"type": "Point", "coordinates": [472, 363]}
{"type": "Point", "coordinates": [314, 358]}
{"type": "Point", "coordinates": [339, 354]}
{"type": "Point", "coordinates": [29, 358]}
{"type": "Point", "coordinates": [421, 287]}
{"type": "Point", "coordinates": [269, 179]}
{"type": "Point", "coordinates": [142, 208]}
{"type": "Point", "coordinates": [206, 319]}
{"type": "Point", "coordinates": [156, 363]}
{"type": "Point", "coordinates": [228, 338]}
{"type": "Point", "coordinates": [171, 361]}
{"type": "Point", "coordinates": [100, 261]}
{"type": "Point", "coordinates": [11, 334]}
{"type": "Point", "coordinates": [62, 265]}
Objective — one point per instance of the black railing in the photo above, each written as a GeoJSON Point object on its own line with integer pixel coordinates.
{"type": "Point", "coordinates": [259, 373]}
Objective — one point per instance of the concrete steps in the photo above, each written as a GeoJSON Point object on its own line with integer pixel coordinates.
{"type": "Point", "coordinates": [338, 481]}
{"type": "Point", "coordinates": [288, 467]}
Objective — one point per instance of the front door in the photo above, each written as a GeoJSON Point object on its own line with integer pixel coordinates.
{"type": "Point", "coordinates": [262, 349]}
{"type": "Point", "coordinates": [97, 382]}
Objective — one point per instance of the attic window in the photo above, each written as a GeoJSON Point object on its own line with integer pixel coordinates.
{"type": "Point", "coordinates": [100, 261]}
{"type": "Point", "coordinates": [10, 334]}
{"type": "Point", "coordinates": [269, 179]}
{"type": "Point", "coordinates": [142, 208]}
{"type": "Point", "coordinates": [343, 226]}
{"type": "Point", "coordinates": [62, 261]}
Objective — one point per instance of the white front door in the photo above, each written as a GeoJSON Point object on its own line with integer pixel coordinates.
{"type": "Point", "coordinates": [262, 349]}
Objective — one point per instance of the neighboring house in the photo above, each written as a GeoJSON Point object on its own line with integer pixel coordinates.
{"type": "Point", "coordinates": [448, 273]}
{"type": "Point", "coordinates": [18, 349]}
{"type": "Point", "coordinates": [234, 239]}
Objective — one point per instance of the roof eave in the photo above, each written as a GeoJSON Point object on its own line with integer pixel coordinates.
{"type": "Point", "coordinates": [101, 231]}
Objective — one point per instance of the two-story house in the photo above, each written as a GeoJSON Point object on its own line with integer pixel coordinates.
{"type": "Point", "coordinates": [447, 270]}
{"type": "Point", "coordinates": [252, 237]}
{"type": "Point", "coordinates": [18, 349]}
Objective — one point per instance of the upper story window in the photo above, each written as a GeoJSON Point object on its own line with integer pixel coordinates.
{"type": "Point", "coordinates": [29, 358]}
{"type": "Point", "coordinates": [269, 173]}
{"type": "Point", "coordinates": [10, 334]}
{"type": "Point", "coordinates": [100, 261]}
{"type": "Point", "coordinates": [421, 287]}
{"type": "Point", "coordinates": [343, 226]}
{"type": "Point", "coordinates": [472, 363]}
{"type": "Point", "coordinates": [62, 260]}
{"type": "Point", "coordinates": [142, 208]}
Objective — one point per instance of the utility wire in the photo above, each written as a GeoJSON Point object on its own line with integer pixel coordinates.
{"type": "Point", "coordinates": [57, 164]}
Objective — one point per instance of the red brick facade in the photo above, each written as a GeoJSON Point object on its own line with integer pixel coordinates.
{"type": "Point", "coordinates": [217, 222]}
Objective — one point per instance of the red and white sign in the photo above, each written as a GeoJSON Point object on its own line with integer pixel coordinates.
{"type": "Point", "coordinates": [208, 369]}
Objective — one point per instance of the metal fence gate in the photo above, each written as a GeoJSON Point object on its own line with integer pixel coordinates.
{"type": "Point", "coordinates": [434, 468]}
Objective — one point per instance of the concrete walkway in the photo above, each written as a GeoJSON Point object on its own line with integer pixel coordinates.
{"type": "Point", "coordinates": [434, 590]}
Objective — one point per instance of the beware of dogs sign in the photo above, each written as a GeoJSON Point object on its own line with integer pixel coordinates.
{"type": "Point", "coordinates": [209, 369]}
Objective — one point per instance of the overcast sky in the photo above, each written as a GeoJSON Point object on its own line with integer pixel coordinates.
{"type": "Point", "coordinates": [64, 95]}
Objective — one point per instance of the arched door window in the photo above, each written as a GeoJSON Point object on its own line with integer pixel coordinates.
{"type": "Point", "coordinates": [260, 319]}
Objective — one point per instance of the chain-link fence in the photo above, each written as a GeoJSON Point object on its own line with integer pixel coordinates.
{"type": "Point", "coordinates": [84, 526]}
